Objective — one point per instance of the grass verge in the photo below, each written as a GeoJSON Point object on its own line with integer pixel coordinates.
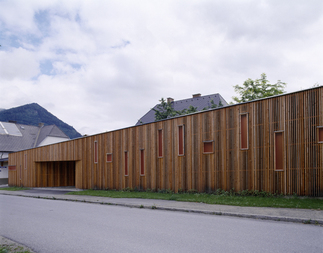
{"type": "Point", "coordinates": [222, 199]}
{"type": "Point", "coordinates": [14, 188]}
{"type": "Point", "coordinates": [12, 249]}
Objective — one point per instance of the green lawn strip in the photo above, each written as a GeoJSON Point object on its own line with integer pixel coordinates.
{"type": "Point", "coordinates": [12, 249]}
{"type": "Point", "coordinates": [254, 201]}
{"type": "Point", "coordinates": [14, 188]}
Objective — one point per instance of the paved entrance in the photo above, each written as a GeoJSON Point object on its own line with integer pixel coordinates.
{"type": "Point", "coordinates": [51, 190]}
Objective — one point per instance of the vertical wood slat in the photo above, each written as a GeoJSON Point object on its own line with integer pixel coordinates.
{"type": "Point", "coordinates": [297, 115]}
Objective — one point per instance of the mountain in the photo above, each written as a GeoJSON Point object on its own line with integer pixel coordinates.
{"type": "Point", "coordinates": [33, 114]}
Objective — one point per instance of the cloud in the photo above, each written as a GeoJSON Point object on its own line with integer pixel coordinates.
{"type": "Point", "coordinates": [101, 65]}
{"type": "Point", "coordinates": [18, 63]}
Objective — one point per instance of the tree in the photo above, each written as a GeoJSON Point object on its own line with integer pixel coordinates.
{"type": "Point", "coordinates": [213, 105]}
{"type": "Point", "coordinates": [256, 89]}
{"type": "Point", "coordinates": [165, 110]}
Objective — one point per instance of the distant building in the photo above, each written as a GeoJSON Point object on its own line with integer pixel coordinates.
{"type": "Point", "coordinates": [198, 101]}
{"type": "Point", "coordinates": [15, 137]}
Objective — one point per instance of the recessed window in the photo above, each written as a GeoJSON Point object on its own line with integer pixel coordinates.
{"type": "Point", "coordinates": [208, 147]}
{"type": "Point", "coordinates": [142, 162]}
{"type": "Point", "coordinates": [320, 134]}
{"type": "Point", "coordinates": [244, 131]}
{"type": "Point", "coordinates": [96, 154]}
{"type": "Point", "coordinates": [160, 143]}
{"type": "Point", "coordinates": [109, 158]}
{"type": "Point", "coordinates": [181, 140]}
{"type": "Point", "coordinates": [279, 151]}
{"type": "Point", "coordinates": [12, 167]}
{"type": "Point", "coordinates": [126, 163]}
{"type": "Point", "coordinates": [25, 161]}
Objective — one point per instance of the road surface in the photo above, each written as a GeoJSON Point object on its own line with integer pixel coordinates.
{"type": "Point", "coordinates": [62, 226]}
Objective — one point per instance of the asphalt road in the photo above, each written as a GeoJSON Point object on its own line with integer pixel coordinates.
{"type": "Point", "coordinates": [60, 226]}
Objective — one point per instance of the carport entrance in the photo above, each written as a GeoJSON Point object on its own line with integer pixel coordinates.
{"type": "Point", "coordinates": [55, 174]}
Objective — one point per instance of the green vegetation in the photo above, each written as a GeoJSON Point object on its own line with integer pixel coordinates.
{"type": "Point", "coordinates": [14, 188]}
{"type": "Point", "coordinates": [11, 248]}
{"type": "Point", "coordinates": [33, 114]}
{"type": "Point", "coordinates": [256, 89]}
{"type": "Point", "coordinates": [165, 110]}
{"type": "Point", "coordinates": [221, 197]}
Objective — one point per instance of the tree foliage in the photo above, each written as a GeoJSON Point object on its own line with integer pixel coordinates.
{"type": "Point", "coordinates": [213, 105]}
{"type": "Point", "coordinates": [165, 110]}
{"type": "Point", "coordinates": [256, 89]}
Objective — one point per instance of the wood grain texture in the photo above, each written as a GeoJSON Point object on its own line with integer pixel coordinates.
{"type": "Point", "coordinates": [297, 116]}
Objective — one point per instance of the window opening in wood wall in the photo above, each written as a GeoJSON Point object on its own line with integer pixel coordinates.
{"type": "Point", "coordinates": [25, 161]}
{"type": "Point", "coordinates": [12, 167]}
{"type": "Point", "coordinates": [279, 151]}
{"type": "Point", "coordinates": [126, 163]}
{"type": "Point", "coordinates": [244, 131]}
{"type": "Point", "coordinates": [142, 162]}
{"type": "Point", "coordinates": [208, 147]}
{"type": "Point", "coordinates": [181, 140]}
{"type": "Point", "coordinates": [96, 155]}
{"type": "Point", "coordinates": [320, 134]}
{"type": "Point", "coordinates": [160, 143]}
{"type": "Point", "coordinates": [109, 157]}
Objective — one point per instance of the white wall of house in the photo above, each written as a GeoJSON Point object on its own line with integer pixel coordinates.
{"type": "Point", "coordinates": [51, 140]}
{"type": "Point", "coordinates": [3, 170]}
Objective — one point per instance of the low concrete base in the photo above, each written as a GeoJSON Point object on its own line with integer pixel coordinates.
{"type": "Point", "coordinates": [3, 181]}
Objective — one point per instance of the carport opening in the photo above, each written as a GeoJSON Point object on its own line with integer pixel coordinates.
{"type": "Point", "coordinates": [56, 174]}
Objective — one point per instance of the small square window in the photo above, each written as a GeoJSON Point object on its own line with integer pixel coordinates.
{"type": "Point", "coordinates": [320, 134]}
{"type": "Point", "coordinates": [109, 158]}
{"type": "Point", "coordinates": [208, 147]}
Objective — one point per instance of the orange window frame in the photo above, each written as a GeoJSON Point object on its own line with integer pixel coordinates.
{"type": "Point", "coordinates": [244, 133]}
{"type": "Point", "coordinates": [279, 151]}
{"type": "Point", "coordinates": [142, 162]}
{"type": "Point", "coordinates": [181, 140]}
{"type": "Point", "coordinates": [96, 152]}
{"type": "Point", "coordinates": [126, 169]}
{"type": "Point", "coordinates": [109, 157]}
{"type": "Point", "coordinates": [160, 143]}
{"type": "Point", "coordinates": [320, 134]}
{"type": "Point", "coordinates": [208, 147]}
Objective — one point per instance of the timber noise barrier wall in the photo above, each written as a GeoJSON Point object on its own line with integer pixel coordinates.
{"type": "Point", "coordinates": [273, 145]}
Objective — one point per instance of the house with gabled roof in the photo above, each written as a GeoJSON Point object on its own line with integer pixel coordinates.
{"type": "Point", "coordinates": [16, 137]}
{"type": "Point", "coordinates": [197, 101]}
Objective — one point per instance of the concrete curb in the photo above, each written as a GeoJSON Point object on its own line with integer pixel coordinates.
{"type": "Point", "coordinates": [187, 210]}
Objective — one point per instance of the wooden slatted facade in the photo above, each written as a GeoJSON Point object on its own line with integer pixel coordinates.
{"type": "Point", "coordinates": [276, 148]}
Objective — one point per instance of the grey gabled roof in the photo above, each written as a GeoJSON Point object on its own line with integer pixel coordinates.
{"type": "Point", "coordinates": [51, 130]}
{"type": "Point", "coordinates": [200, 102]}
{"type": "Point", "coordinates": [15, 137]}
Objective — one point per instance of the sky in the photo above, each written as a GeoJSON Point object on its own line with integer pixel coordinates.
{"type": "Point", "coordinates": [100, 65]}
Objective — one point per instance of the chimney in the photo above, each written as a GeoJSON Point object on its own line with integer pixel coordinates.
{"type": "Point", "coordinates": [196, 95]}
{"type": "Point", "coordinates": [40, 124]}
{"type": "Point", "coordinates": [170, 100]}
